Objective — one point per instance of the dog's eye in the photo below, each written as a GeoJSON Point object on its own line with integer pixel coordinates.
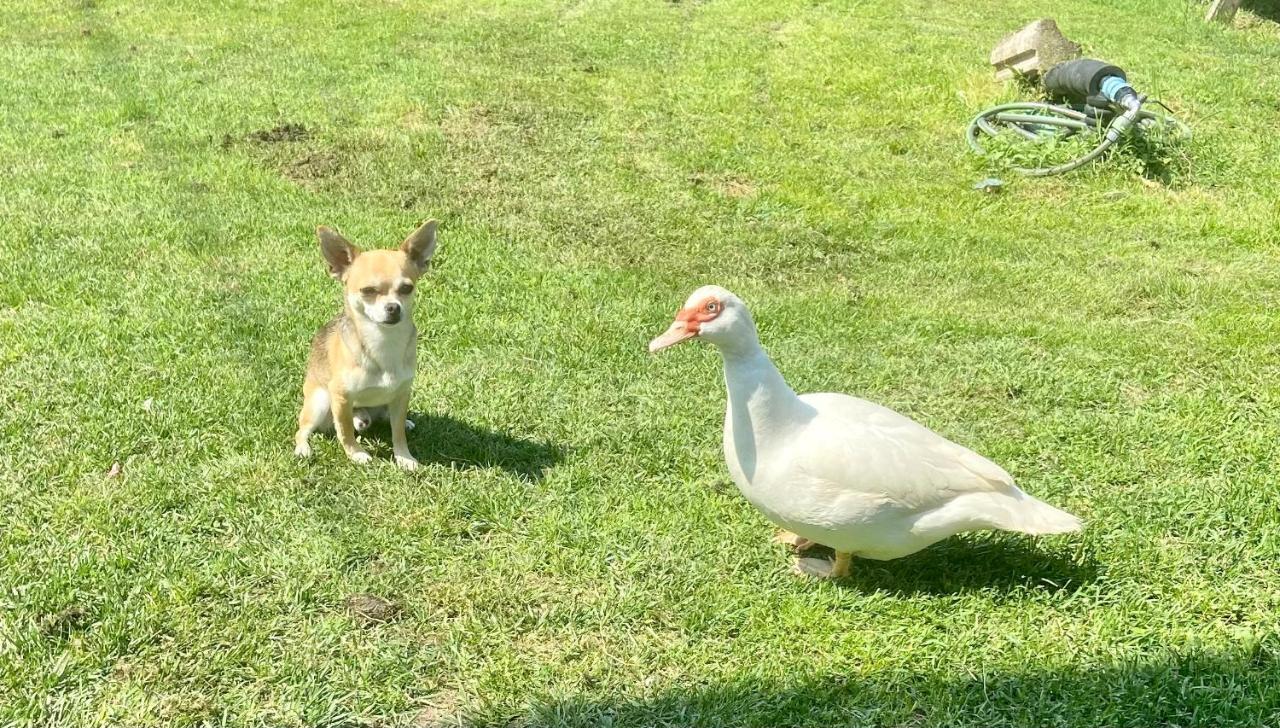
{"type": "Point", "coordinates": [406, 289]}
{"type": "Point", "coordinates": [369, 291]}
{"type": "Point", "coordinates": [712, 307]}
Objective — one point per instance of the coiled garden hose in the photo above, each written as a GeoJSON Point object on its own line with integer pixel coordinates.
{"type": "Point", "coordinates": [1109, 107]}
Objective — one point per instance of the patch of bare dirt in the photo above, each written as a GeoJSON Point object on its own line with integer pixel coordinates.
{"type": "Point", "coordinates": [312, 166]}
{"type": "Point", "coordinates": [443, 711]}
{"type": "Point", "coordinates": [282, 133]}
{"type": "Point", "coordinates": [372, 609]}
{"type": "Point", "coordinates": [729, 186]}
{"type": "Point", "coordinates": [64, 622]}
{"type": "Point", "coordinates": [413, 120]}
{"type": "Point", "coordinates": [469, 123]}
{"type": "Point", "coordinates": [737, 188]}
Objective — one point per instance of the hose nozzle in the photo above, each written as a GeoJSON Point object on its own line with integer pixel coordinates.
{"type": "Point", "coordinates": [1117, 90]}
{"type": "Point", "coordinates": [1133, 107]}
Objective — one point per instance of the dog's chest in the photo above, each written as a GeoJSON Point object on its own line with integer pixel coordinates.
{"type": "Point", "coordinates": [385, 368]}
{"type": "Point", "coordinates": [374, 386]}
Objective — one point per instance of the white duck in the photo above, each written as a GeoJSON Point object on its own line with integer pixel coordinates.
{"type": "Point", "coordinates": [844, 472]}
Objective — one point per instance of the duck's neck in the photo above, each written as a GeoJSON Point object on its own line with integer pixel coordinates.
{"type": "Point", "coordinates": [759, 399]}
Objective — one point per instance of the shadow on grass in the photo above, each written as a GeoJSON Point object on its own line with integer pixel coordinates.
{"type": "Point", "coordinates": [974, 563]}
{"type": "Point", "coordinates": [1199, 689]}
{"type": "Point", "coordinates": [1269, 9]}
{"type": "Point", "coordinates": [447, 441]}
{"type": "Point", "coordinates": [1159, 157]}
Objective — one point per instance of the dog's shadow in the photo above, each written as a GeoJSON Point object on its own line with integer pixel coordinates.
{"type": "Point", "coordinates": [443, 440]}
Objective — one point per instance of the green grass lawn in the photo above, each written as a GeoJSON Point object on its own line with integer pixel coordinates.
{"type": "Point", "coordinates": [573, 553]}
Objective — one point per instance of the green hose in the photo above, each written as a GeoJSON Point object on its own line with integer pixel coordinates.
{"type": "Point", "coordinates": [1021, 118]}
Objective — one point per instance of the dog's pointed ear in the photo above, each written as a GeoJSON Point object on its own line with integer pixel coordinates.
{"type": "Point", "coordinates": [420, 246]}
{"type": "Point", "coordinates": [339, 253]}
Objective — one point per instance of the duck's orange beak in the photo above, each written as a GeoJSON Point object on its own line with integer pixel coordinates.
{"type": "Point", "coordinates": [679, 331]}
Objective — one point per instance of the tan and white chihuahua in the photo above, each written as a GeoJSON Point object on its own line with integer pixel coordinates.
{"type": "Point", "coordinates": [362, 362]}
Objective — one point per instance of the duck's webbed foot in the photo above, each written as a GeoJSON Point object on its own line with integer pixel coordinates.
{"type": "Point", "coordinates": [823, 569]}
{"type": "Point", "coordinates": [797, 543]}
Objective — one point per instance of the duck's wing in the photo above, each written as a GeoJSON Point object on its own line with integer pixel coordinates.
{"type": "Point", "coordinates": [864, 448]}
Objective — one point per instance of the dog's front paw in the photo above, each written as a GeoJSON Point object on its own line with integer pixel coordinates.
{"type": "Point", "coordinates": [302, 450]}
{"type": "Point", "coordinates": [407, 462]}
{"type": "Point", "coordinates": [360, 457]}
{"type": "Point", "coordinates": [408, 424]}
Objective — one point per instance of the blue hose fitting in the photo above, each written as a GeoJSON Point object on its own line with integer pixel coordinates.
{"type": "Point", "coordinates": [1117, 90]}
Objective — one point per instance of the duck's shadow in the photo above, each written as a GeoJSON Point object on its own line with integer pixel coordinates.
{"type": "Point", "coordinates": [976, 562]}
{"type": "Point", "coordinates": [443, 440]}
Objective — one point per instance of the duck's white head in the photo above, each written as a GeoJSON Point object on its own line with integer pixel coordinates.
{"type": "Point", "coordinates": [713, 314]}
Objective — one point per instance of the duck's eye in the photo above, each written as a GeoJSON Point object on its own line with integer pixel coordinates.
{"type": "Point", "coordinates": [368, 291]}
{"type": "Point", "coordinates": [406, 289]}
{"type": "Point", "coordinates": [712, 306]}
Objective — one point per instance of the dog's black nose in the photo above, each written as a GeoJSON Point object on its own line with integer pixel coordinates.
{"type": "Point", "coordinates": [393, 311]}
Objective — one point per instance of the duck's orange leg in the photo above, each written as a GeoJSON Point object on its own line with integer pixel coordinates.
{"type": "Point", "coordinates": [823, 569]}
{"type": "Point", "coordinates": [795, 542]}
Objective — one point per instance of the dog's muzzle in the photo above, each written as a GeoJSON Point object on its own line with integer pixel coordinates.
{"type": "Point", "coordinates": [392, 311]}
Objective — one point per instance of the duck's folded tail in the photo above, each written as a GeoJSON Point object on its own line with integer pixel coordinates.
{"type": "Point", "coordinates": [1036, 517]}
{"type": "Point", "coordinates": [1011, 510]}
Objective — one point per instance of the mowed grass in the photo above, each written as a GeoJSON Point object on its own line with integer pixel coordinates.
{"type": "Point", "coordinates": [574, 553]}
